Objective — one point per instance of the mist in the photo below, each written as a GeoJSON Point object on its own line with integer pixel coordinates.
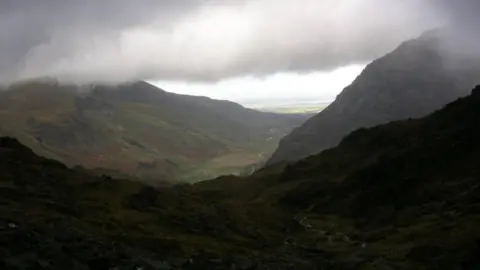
{"type": "Point", "coordinates": [205, 41]}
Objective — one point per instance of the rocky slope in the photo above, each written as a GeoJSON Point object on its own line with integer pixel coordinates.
{"type": "Point", "coordinates": [139, 130]}
{"type": "Point", "coordinates": [418, 77]}
{"type": "Point", "coordinates": [404, 195]}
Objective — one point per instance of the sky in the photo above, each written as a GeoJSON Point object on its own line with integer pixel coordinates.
{"type": "Point", "coordinates": [280, 89]}
{"type": "Point", "coordinates": [237, 49]}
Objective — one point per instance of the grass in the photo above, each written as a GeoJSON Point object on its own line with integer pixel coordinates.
{"type": "Point", "coordinates": [232, 163]}
{"type": "Point", "coordinates": [185, 137]}
{"type": "Point", "coordinates": [399, 196]}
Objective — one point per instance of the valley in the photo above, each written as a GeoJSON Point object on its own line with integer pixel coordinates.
{"type": "Point", "coordinates": [140, 131]}
{"type": "Point", "coordinates": [292, 107]}
{"type": "Point", "coordinates": [354, 145]}
{"type": "Point", "coordinates": [377, 201]}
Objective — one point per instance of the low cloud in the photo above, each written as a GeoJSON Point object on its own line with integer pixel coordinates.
{"type": "Point", "coordinates": [204, 41]}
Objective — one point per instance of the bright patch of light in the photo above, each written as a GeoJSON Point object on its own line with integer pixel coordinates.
{"type": "Point", "coordinates": [315, 87]}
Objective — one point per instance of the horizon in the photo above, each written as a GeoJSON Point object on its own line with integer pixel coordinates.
{"type": "Point", "coordinates": [276, 90]}
{"type": "Point", "coordinates": [213, 48]}
{"type": "Point", "coordinates": [239, 134]}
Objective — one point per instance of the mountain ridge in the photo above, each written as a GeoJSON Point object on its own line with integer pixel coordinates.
{"type": "Point", "coordinates": [138, 129]}
{"type": "Point", "coordinates": [411, 81]}
{"type": "Point", "coordinates": [381, 199]}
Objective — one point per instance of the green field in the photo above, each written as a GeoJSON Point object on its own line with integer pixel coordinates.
{"type": "Point", "coordinates": [294, 109]}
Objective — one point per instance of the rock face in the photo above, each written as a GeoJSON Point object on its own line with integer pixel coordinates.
{"type": "Point", "coordinates": [410, 82]}
{"type": "Point", "coordinates": [404, 195]}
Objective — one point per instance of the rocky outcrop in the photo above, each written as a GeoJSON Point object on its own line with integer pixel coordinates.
{"type": "Point", "coordinates": [405, 195]}
{"type": "Point", "coordinates": [414, 80]}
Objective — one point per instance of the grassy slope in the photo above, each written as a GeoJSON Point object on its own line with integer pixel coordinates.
{"type": "Point", "coordinates": [399, 196]}
{"type": "Point", "coordinates": [139, 130]}
{"type": "Point", "coordinates": [406, 192]}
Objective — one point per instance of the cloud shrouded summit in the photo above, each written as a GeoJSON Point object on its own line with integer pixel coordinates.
{"type": "Point", "coordinates": [195, 40]}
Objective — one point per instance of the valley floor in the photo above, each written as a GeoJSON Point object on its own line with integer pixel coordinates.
{"type": "Point", "coordinates": [405, 195]}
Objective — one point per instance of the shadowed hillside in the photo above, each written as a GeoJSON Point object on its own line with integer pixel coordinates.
{"type": "Point", "coordinates": [404, 195]}
{"type": "Point", "coordinates": [139, 130]}
{"type": "Point", "coordinates": [418, 77]}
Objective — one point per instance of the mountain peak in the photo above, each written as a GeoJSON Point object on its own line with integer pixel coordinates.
{"type": "Point", "coordinates": [389, 190]}
{"type": "Point", "coordinates": [138, 129]}
{"type": "Point", "coordinates": [10, 143]}
{"type": "Point", "coordinates": [476, 91]}
{"type": "Point", "coordinates": [414, 80]}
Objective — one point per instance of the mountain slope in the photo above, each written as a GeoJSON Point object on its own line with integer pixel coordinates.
{"type": "Point", "coordinates": [412, 81]}
{"type": "Point", "coordinates": [138, 129]}
{"type": "Point", "coordinates": [404, 195]}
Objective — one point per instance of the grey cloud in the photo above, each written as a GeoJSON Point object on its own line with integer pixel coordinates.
{"type": "Point", "coordinates": [119, 40]}
{"type": "Point", "coordinates": [56, 27]}
{"type": "Point", "coordinates": [461, 37]}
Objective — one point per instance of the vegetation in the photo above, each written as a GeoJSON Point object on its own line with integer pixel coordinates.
{"type": "Point", "coordinates": [404, 195]}
{"type": "Point", "coordinates": [139, 130]}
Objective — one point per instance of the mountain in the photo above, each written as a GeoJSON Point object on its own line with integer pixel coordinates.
{"type": "Point", "coordinates": [404, 195]}
{"type": "Point", "coordinates": [139, 130]}
{"type": "Point", "coordinates": [418, 77]}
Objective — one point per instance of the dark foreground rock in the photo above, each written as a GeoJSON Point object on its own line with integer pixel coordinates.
{"type": "Point", "coordinates": [405, 195]}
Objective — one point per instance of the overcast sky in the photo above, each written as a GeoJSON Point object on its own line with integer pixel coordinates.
{"type": "Point", "coordinates": [207, 42]}
{"type": "Point", "coordinates": [279, 89]}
